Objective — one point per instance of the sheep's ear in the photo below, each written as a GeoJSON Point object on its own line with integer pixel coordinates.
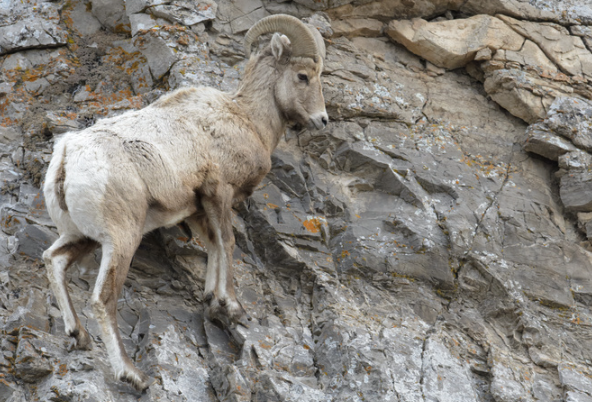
{"type": "Point", "coordinates": [281, 48]}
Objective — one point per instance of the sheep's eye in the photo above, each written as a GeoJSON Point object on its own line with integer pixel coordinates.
{"type": "Point", "coordinates": [303, 77]}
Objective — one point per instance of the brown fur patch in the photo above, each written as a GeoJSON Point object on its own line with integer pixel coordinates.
{"type": "Point", "coordinates": [76, 249]}
{"type": "Point", "coordinates": [209, 186]}
{"type": "Point", "coordinates": [204, 224]}
{"type": "Point", "coordinates": [60, 179]}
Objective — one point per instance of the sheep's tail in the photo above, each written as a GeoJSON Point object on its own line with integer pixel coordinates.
{"type": "Point", "coordinates": [59, 180]}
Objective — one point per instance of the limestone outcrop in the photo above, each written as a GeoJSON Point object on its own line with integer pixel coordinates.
{"type": "Point", "coordinates": [524, 65]}
{"type": "Point", "coordinates": [432, 244]}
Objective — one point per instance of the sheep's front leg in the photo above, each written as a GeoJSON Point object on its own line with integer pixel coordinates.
{"type": "Point", "coordinates": [215, 229]}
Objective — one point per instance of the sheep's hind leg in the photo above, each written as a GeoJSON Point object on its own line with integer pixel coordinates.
{"type": "Point", "coordinates": [58, 258]}
{"type": "Point", "coordinates": [115, 263]}
{"type": "Point", "coordinates": [199, 226]}
{"type": "Point", "coordinates": [218, 210]}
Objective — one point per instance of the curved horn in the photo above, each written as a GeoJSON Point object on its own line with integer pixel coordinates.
{"type": "Point", "coordinates": [319, 41]}
{"type": "Point", "coordinates": [302, 39]}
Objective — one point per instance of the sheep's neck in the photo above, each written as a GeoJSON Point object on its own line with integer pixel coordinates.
{"type": "Point", "coordinates": [263, 114]}
{"type": "Point", "coordinates": [256, 97]}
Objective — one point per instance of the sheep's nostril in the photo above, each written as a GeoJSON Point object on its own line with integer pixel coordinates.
{"type": "Point", "coordinates": [324, 120]}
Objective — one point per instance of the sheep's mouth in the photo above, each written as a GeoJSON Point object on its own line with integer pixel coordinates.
{"type": "Point", "coordinates": [311, 124]}
{"type": "Point", "coordinates": [318, 122]}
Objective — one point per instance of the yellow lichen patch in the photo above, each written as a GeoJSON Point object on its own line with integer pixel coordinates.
{"type": "Point", "coordinates": [313, 225]}
{"type": "Point", "coordinates": [122, 28]}
{"type": "Point", "coordinates": [272, 206]}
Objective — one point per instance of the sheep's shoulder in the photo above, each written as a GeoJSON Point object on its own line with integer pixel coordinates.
{"type": "Point", "coordinates": [184, 97]}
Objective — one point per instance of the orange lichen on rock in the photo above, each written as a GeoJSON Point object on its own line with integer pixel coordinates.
{"type": "Point", "coordinates": [63, 369]}
{"type": "Point", "coordinates": [313, 225]}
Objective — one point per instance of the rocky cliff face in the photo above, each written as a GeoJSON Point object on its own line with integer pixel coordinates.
{"type": "Point", "coordinates": [430, 245]}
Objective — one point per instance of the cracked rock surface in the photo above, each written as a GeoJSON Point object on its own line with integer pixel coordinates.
{"type": "Point", "coordinates": [431, 244]}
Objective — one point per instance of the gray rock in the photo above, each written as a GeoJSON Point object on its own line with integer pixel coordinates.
{"type": "Point", "coordinates": [535, 262]}
{"type": "Point", "coordinates": [349, 96]}
{"type": "Point", "coordinates": [575, 191]}
{"type": "Point", "coordinates": [570, 117]}
{"type": "Point", "coordinates": [84, 22]}
{"type": "Point", "coordinates": [279, 388]}
{"type": "Point", "coordinates": [444, 378]}
{"type": "Point", "coordinates": [112, 14]}
{"type": "Point", "coordinates": [244, 22]}
{"type": "Point", "coordinates": [507, 385]}
{"type": "Point", "coordinates": [323, 4]}
{"type": "Point", "coordinates": [33, 356]}
{"type": "Point", "coordinates": [59, 123]}
{"type": "Point", "coordinates": [229, 11]}
{"type": "Point", "coordinates": [546, 388]}
{"type": "Point", "coordinates": [182, 74]}
{"type": "Point", "coordinates": [142, 22]}
{"type": "Point", "coordinates": [186, 12]}
{"type": "Point", "coordinates": [159, 55]}
{"type": "Point", "coordinates": [8, 248]}
{"type": "Point", "coordinates": [12, 218]}
{"type": "Point", "coordinates": [407, 188]}
{"type": "Point", "coordinates": [406, 345]}
{"type": "Point", "coordinates": [543, 142]}
{"type": "Point", "coordinates": [541, 359]}
{"type": "Point", "coordinates": [559, 11]}
{"type": "Point", "coordinates": [32, 27]}
{"type": "Point", "coordinates": [7, 389]}
{"type": "Point", "coordinates": [575, 161]}
{"type": "Point", "coordinates": [179, 368]}
{"type": "Point", "coordinates": [34, 240]}
{"type": "Point", "coordinates": [230, 385]}
{"type": "Point", "coordinates": [575, 378]}
{"type": "Point", "coordinates": [9, 136]}
{"type": "Point", "coordinates": [30, 311]}
{"type": "Point", "coordinates": [581, 30]}
{"type": "Point", "coordinates": [516, 91]}
{"type": "Point", "coordinates": [573, 396]}
{"type": "Point", "coordinates": [321, 23]}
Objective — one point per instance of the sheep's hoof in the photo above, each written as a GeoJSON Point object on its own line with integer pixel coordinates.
{"type": "Point", "coordinates": [138, 379]}
{"type": "Point", "coordinates": [216, 312]}
{"type": "Point", "coordinates": [208, 297]}
{"type": "Point", "coordinates": [226, 312]}
{"type": "Point", "coordinates": [235, 311]}
{"type": "Point", "coordinates": [80, 340]}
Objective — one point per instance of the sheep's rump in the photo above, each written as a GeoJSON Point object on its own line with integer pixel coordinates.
{"type": "Point", "coordinates": [97, 164]}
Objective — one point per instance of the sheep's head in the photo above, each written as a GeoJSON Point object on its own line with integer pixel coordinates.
{"type": "Point", "coordinates": [298, 52]}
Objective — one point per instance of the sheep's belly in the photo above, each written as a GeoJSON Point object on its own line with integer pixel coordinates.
{"type": "Point", "coordinates": [158, 218]}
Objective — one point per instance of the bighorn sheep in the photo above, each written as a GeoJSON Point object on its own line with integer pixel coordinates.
{"type": "Point", "coordinates": [189, 156]}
